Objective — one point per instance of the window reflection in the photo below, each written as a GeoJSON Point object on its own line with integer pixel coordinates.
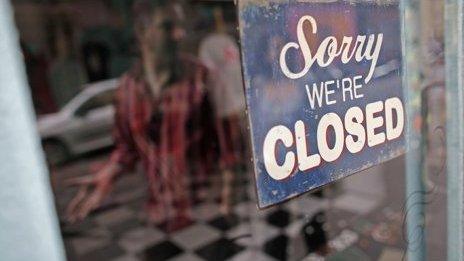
{"type": "Point", "coordinates": [165, 172]}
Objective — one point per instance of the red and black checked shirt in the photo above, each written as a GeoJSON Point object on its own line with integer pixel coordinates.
{"type": "Point", "coordinates": [160, 134]}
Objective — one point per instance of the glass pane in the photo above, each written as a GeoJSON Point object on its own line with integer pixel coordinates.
{"type": "Point", "coordinates": [169, 174]}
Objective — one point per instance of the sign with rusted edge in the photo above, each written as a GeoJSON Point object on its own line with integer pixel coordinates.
{"type": "Point", "coordinates": [323, 89]}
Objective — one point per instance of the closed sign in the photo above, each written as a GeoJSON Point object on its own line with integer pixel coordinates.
{"type": "Point", "coordinates": [323, 88]}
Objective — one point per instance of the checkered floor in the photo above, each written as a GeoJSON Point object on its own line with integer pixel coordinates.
{"type": "Point", "coordinates": [356, 226]}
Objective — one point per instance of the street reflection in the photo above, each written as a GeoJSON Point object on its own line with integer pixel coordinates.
{"type": "Point", "coordinates": [142, 116]}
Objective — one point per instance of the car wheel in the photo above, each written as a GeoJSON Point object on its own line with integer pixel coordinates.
{"type": "Point", "coordinates": [55, 151]}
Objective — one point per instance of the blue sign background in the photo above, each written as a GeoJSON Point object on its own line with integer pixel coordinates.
{"type": "Point", "coordinates": [273, 99]}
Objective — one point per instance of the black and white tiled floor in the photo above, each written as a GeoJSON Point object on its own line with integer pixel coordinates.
{"type": "Point", "coordinates": [357, 226]}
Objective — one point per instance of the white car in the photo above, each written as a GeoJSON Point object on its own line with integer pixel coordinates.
{"type": "Point", "coordinates": [83, 125]}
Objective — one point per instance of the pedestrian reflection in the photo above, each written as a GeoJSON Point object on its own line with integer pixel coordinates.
{"type": "Point", "coordinates": [159, 111]}
{"type": "Point", "coordinates": [179, 121]}
{"type": "Point", "coordinates": [219, 52]}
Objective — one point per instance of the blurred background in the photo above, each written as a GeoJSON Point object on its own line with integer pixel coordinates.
{"type": "Point", "coordinates": [75, 53]}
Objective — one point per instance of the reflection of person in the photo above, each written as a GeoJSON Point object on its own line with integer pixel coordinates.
{"type": "Point", "coordinates": [66, 74]}
{"type": "Point", "coordinates": [36, 68]}
{"type": "Point", "coordinates": [220, 53]}
{"type": "Point", "coordinates": [96, 61]}
{"type": "Point", "coordinates": [157, 101]}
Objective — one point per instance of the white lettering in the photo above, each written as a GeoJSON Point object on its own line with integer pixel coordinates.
{"type": "Point", "coordinates": [372, 123]}
{"type": "Point", "coordinates": [329, 49]}
{"type": "Point", "coordinates": [283, 134]}
{"type": "Point", "coordinates": [396, 105]}
{"type": "Point", "coordinates": [305, 162]}
{"type": "Point", "coordinates": [328, 92]}
{"type": "Point", "coordinates": [296, 152]}
{"type": "Point", "coordinates": [353, 119]}
{"type": "Point", "coordinates": [330, 154]}
{"type": "Point", "coordinates": [315, 94]}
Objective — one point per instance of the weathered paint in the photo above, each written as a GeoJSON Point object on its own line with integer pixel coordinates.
{"type": "Point", "coordinates": [267, 3]}
{"type": "Point", "coordinates": [273, 99]}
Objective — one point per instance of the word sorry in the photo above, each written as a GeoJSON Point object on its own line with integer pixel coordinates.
{"type": "Point", "coordinates": [355, 141]}
{"type": "Point", "coordinates": [329, 49]}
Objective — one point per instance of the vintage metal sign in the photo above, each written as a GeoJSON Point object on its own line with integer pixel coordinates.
{"type": "Point", "coordinates": [323, 90]}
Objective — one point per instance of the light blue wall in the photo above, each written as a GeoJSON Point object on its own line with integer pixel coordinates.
{"type": "Point", "coordinates": [455, 125]}
{"type": "Point", "coordinates": [28, 224]}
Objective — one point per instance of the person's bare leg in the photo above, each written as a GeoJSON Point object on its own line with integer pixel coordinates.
{"type": "Point", "coordinates": [226, 193]}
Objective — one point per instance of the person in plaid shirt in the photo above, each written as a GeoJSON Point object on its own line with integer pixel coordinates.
{"type": "Point", "coordinates": [159, 117]}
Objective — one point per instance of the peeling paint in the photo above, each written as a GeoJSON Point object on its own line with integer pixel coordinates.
{"type": "Point", "coordinates": [265, 26]}
{"type": "Point", "coordinates": [267, 3]}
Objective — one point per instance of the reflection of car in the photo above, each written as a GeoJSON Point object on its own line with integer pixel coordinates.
{"type": "Point", "coordinates": [84, 124]}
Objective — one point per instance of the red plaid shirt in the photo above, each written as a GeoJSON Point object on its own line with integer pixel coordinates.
{"type": "Point", "coordinates": [159, 134]}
